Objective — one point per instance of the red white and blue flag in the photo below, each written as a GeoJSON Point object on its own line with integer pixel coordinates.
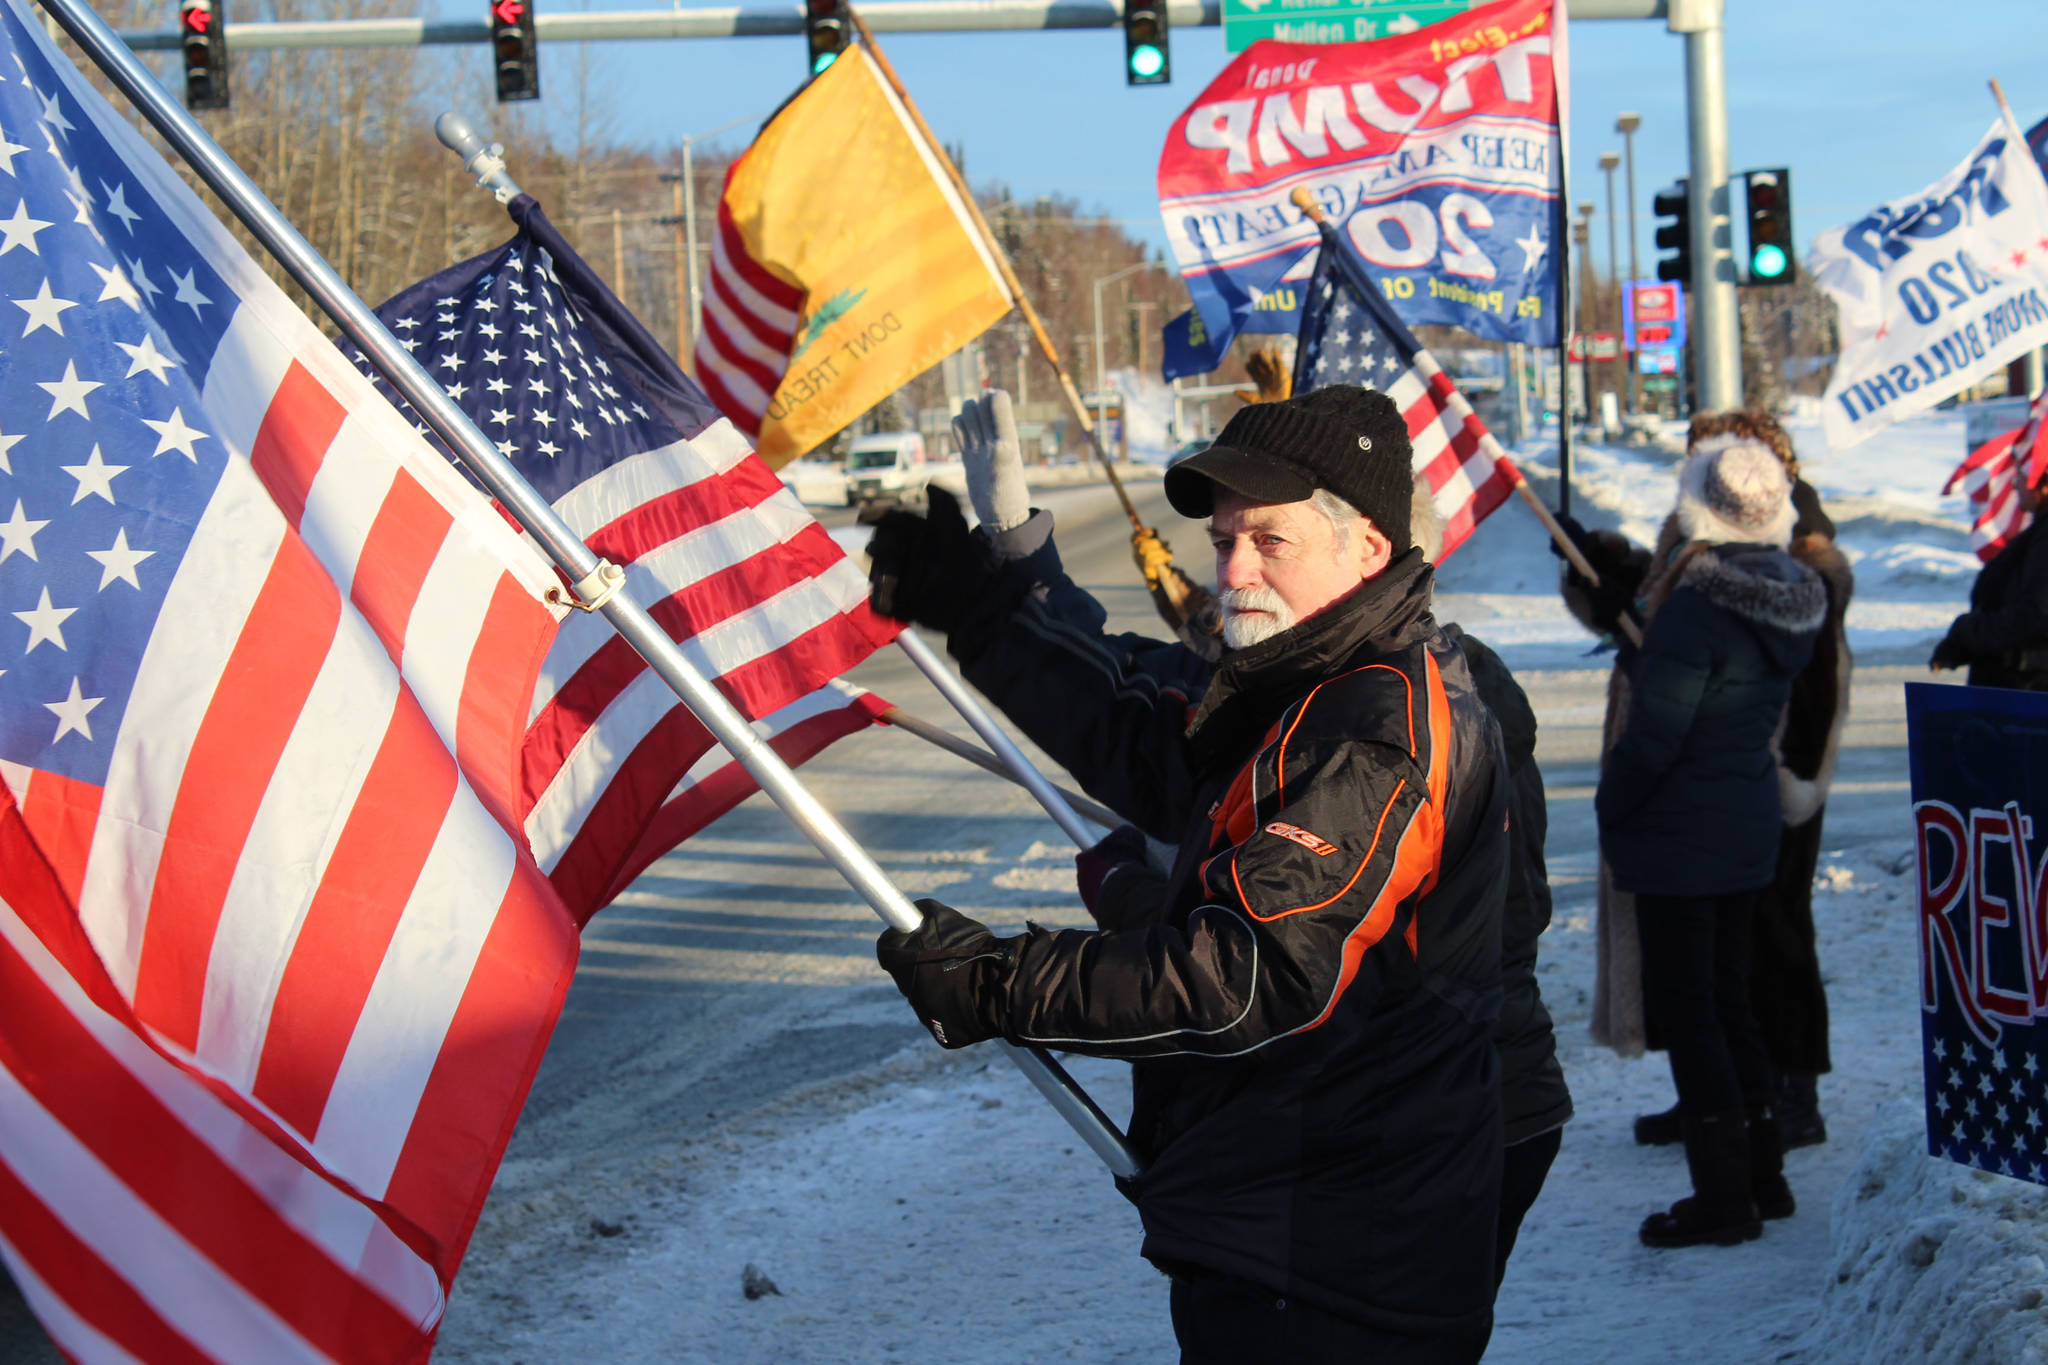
{"type": "Point", "coordinates": [276, 966]}
{"type": "Point", "coordinates": [1350, 335]}
{"type": "Point", "coordinates": [613, 770]}
{"type": "Point", "coordinates": [1993, 476]}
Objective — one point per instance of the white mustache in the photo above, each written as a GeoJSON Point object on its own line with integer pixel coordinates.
{"type": "Point", "coordinates": [1238, 631]}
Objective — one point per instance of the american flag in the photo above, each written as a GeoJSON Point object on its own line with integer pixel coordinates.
{"type": "Point", "coordinates": [1993, 476]}
{"type": "Point", "coordinates": [1351, 335]}
{"type": "Point", "coordinates": [614, 771]}
{"type": "Point", "coordinates": [276, 969]}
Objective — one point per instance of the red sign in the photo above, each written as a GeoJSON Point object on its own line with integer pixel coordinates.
{"type": "Point", "coordinates": [1595, 346]}
{"type": "Point", "coordinates": [1654, 334]}
{"type": "Point", "coordinates": [1656, 303]}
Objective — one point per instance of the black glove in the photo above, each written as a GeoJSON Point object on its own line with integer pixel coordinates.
{"type": "Point", "coordinates": [1124, 845]}
{"type": "Point", "coordinates": [930, 569]}
{"type": "Point", "coordinates": [1580, 537]}
{"type": "Point", "coordinates": [1607, 602]}
{"type": "Point", "coordinates": [954, 973]}
{"type": "Point", "coordinates": [1949, 654]}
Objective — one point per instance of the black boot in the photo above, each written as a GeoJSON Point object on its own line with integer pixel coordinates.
{"type": "Point", "coordinates": [1799, 1110]}
{"type": "Point", "coordinates": [1720, 1210]}
{"type": "Point", "coordinates": [1659, 1130]}
{"type": "Point", "coordinates": [1767, 1165]}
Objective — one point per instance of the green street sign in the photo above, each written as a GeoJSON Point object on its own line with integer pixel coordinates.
{"type": "Point", "coordinates": [1330, 21]}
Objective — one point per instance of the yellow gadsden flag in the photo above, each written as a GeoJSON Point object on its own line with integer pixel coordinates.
{"type": "Point", "coordinates": [845, 263]}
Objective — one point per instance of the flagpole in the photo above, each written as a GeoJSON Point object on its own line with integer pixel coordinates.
{"type": "Point", "coordinates": [1306, 202]}
{"type": "Point", "coordinates": [1169, 582]}
{"type": "Point", "coordinates": [987, 762]}
{"type": "Point", "coordinates": [597, 581]}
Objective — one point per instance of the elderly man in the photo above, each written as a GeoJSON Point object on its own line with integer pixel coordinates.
{"type": "Point", "coordinates": [1309, 996]}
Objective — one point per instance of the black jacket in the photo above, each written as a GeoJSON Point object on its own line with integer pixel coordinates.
{"type": "Point", "coordinates": [1310, 1002]}
{"type": "Point", "coordinates": [2005, 632]}
{"type": "Point", "coordinates": [1688, 799]}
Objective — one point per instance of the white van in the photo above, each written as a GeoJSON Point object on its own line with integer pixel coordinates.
{"type": "Point", "coordinates": [887, 467]}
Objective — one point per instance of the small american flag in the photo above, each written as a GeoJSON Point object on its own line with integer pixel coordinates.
{"type": "Point", "coordinates": [614, 771]}
{"type": "Point", "coordinates": [1350, 335]}
{"type": "Point", "coordinates": [276, 969]}
{"type": "Point", "coordinates": [1993, 476]}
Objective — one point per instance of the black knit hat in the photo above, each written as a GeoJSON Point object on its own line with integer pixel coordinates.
{"type": "Point", "coordinates": [1349, 440]}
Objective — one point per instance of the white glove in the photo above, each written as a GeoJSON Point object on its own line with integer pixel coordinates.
{"type": "Point", "coordinates": [986, 434]}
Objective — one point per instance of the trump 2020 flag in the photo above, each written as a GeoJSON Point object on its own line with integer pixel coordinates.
{"type": "Point", "coordinates": [1436, 152]}
{"type": "Point", "coordinates": [1938, 289]}
{"type": "Point", "coordinates": [1349, 335]}
{"type": "Point", "coordinates": [845, 264]}
{"type": "Point", "coordinates": [613, 770]}
{"type": "Point", "coordinates": [276, 969]}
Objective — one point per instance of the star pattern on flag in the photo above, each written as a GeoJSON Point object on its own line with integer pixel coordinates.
{"type": "Point", "coordinates": [1987, 1106]}
{"type": "Point", "coordinates": [94, 385]}
{"type": "Point", "coordinates": [516, 354]}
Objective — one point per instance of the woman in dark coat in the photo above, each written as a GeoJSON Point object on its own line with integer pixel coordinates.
{"type": "Point", "coordinates": [1689, 813]}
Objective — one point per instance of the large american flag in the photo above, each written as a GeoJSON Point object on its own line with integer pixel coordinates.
{"type": "Point", "coordinates": [1993, 476]}
{"type": "Point", "coordinates": [614, 771]}
{"type": "Point", "coordinates": [1351, 335]}
{"type": "Point", "coordinates": [276, 968]}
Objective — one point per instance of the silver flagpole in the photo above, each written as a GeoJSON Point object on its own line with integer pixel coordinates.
{"type": "Point", "coordinates": [597, 582]}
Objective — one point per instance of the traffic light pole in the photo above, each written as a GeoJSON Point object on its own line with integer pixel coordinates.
{"type": "Point", "coordinates": [1716, 338]}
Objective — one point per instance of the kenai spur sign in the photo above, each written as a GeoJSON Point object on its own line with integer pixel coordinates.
{"type": "Point", "coordinates": [1436, 152]}
{"type": "Point", "coordinates": [1938, 289]}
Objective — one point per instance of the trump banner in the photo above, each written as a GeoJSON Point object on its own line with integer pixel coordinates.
{"type": "Point", "coordinates": [1980, 823]}
{"type": "Point", "coordinates": [1938, 289]}
{"type": "Point", "coordinates": [1436, 153]}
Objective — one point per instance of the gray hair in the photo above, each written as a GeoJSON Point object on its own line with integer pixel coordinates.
{"type": "Point", "coordinates": [1425, 527]}
{"type": "Point", "coordinates": [1339, 513]}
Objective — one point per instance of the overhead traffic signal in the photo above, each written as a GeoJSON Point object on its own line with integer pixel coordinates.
{"type": "Point", "coordinates": [1676, 235]}
{"type": "Point", "coordinates": [1768, 195]}
{"type": "Point", "coordinates": [200, 25]}
{"type": "Point", "coordinates": [825, 27]}
{"type": "Point", "coordinates": [1145, 53]}
{"type": "Point", "coordinates": [515, 51]}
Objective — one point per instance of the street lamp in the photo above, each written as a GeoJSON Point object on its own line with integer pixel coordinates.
{"type": "Point", "coordinates": [1626, 125]}
{"type": "Point", "coordinates": [1608, 161]}
{"type": "Point", "coordinates": [1582, 237]}
{"type": "Point", "coordinates": [1101, 369]}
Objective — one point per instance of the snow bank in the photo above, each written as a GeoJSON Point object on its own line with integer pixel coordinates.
{"type": "Point", "coordinates": [1934, 1262]}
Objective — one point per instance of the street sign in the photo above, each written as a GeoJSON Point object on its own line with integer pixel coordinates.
{"type": "Point", "coordinates": [1330, 21]}
{"type": "Point", "coordinates": [1595, 345]}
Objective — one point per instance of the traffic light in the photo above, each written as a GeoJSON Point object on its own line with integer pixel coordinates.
{"type": "Point", "coordinates": [200, 24]}
{"type": "Point", "coordinates": [825, 26]}
{"type": "Point", "coordinates": [515, 51]}
{"type": "Point", "coordinates": [1769, 197]}
{"type": "Point", "coordinates": [1145, 54]}
{"type": "Point", "coordinates": [1676, 235]}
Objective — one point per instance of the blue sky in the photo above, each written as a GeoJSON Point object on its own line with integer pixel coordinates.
{"type": "Point", "coordinates": [1865, 100]}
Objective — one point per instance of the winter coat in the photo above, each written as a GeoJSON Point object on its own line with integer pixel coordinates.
{"type": "Point", "coordinates": [1533, 1095]}
{"type": "Point", "coordinates": [1784, 962]}
{"type": "Point", "coordinates": [2004, 634]}
{"type": "Point", "coordinates": [1688, 799]}
{"type": "Point", "coordinates": [1309, 1006]}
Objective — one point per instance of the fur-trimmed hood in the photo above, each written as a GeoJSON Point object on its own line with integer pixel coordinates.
{"type": "Point", "coordinates": [1762, 585]}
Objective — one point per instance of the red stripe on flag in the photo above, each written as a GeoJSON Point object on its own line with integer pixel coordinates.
{"type": "Point", "coordinates": [296, 432]}
{"type": "Point", "coordinates": [638, 785]}
{"type": "Point", "coordinates": [496, 693]}
{"type": "Point", "coordinates": [771, 287]}
{"type": "Point", "coordinates": [261, 692]}
{"type": "Point", "coordinates": [348, 926]}
{"type": "Point", "coordinates": [745, 416]}
{"type": "Point", "coordinates": [732, 784]}
{"type": "Point", "coordinates": [91, 1288]}
{"type": "Point", "coordinates": [668, 516]}
{"type": "Point", "coordinates": [143, 1144]}
{"type": "Point", "coordinates": [487, 1062]}
{"type": "Point", "coordinates": [396, 557]}
{"type": "Point", "coordinates": [61, 815]}
{"type": "Point", "coordinates": [729, 349]}
{"type": "Point", "coordinates": [759, 687]}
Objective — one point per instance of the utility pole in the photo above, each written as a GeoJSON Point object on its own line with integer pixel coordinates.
{"type": "Point", "coordinates": [1626, 125]}
{"type": "Point", "coordinates": [1582, 236]}
{"type": "Point", "coordinates": [619, 254]}
{"type": "Point", "coordinates": [1608, 161]}
{"type": "Point", "coordinates": [685, 293]}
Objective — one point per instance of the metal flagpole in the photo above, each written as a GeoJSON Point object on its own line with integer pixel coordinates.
{"type": "Point", "coordinates": [597, 582]}
{"type": "Point", "coordinates": [988, 762]}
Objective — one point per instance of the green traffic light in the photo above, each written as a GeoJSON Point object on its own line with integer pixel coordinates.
{"type": "Point", "coordinates": [1768, 262]}
{"type": "Point", "coordinates": [821, 61]}
{"type": "Point", "coordinates": [1147, 61]}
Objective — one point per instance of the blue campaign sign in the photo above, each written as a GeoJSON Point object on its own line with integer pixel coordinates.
{"type": "Point", "coordinates": [1980, 779]}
